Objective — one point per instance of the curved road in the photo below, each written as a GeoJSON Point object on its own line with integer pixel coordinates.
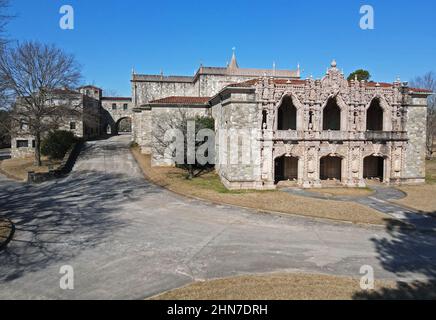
{"type": "Point", "coordinates": [128, 239]}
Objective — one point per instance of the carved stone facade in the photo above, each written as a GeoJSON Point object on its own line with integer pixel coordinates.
{"type": "Point", "coordinates": [314, 132]}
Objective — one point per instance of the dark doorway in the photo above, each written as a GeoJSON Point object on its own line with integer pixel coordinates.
{"type": "Point", "coordinates": [287, 117]}
{"type": "Point", "coordinates": [286, 168]}
{"type": "Point", "coordinates": [332, 116]}
{"type": "Point", "coordinates": [374, 116]}
{"type": "Point", "coordinates": [373, 168]}
{"type": "Point", "coordinates": [331, 168]}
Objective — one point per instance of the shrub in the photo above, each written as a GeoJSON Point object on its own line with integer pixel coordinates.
{"type": "Point", "coordinates": [57, 143]}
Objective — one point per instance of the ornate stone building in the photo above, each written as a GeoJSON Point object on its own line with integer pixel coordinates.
{"type": "Point", "coordinates": [307, 132]}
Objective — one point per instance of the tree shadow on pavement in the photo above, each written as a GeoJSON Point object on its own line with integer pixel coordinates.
{"type": "Point", "coordinates": [56, 221]}
{"type": "Point", "coordinates": [406, 253]}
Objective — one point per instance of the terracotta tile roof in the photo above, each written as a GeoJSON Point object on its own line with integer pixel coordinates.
{"type": "Point", "coordinates": [181, 100]}
{"type": "Point", "coordinates": [64, 91]}
{"type": "Point", "coordinates": [117, 98]}
{"type": "Point", "coordinates": [89, 86]}
{"type": "Point", "coordinates": [371, 84]}
{"type": "Point", "coordinates": [420, 90]}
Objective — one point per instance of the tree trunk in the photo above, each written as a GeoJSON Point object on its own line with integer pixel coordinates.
{"type": "Point", "coordinates": [190, 172]}
{"type": "Point", "coordinates": [38, 161]}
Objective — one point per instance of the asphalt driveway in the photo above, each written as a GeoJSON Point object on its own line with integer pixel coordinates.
{"type": "Point", "coordinates": [128, 239]}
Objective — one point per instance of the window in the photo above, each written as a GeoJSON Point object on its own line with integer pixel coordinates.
{"type": "Point", "coordinates": [33, 144]}
{"type": "Point", "coordinates": [125, 107]}
{"type": "Point", "coordinates": [332, 116]}
{"type": "Point", "coordinates": [287, 115]}
{"type": "Point", "coordinates": [374, 116]}
{"type": "Point", "coordinates": [23, 125]}
{"type": "Point", "coordinates": [114, 106]}
{"type": "Point", "coordinates": [72, 126]}
{"type": "Point", "coordinates": [22, 144]}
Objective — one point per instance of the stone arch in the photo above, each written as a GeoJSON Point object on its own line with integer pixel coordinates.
{"type": "Point", "coordinates": [297, 113]}
{"type": "Point", "coordinates": [374, 116]}
{"type": "Point", "coordinates": [332, 166]}
{"type": "Point", "coordinates": [118, 127]}
{"type": "Point", "coordinates": [382, 152]}
{"type": "Point", "coordinates": [374, 167]}
{"type": "Point", "coordinates": [385, 107]}
{"type": "Point", "coordinates": [287, 167]}
{"type": "Point", "coordinates": [334, 114]}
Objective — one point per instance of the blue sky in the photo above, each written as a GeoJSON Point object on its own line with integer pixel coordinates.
{"type": "Point", "coordinates": [111, 37]}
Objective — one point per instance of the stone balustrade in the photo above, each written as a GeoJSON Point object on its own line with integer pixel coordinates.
{"type": "Point", "coordinates": [292, 135]}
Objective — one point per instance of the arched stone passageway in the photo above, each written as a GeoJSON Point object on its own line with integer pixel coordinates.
{"type": "Point", "coordinates": [331, 168]}
{"type": "Point", "coordinates": [287, 115]}
{"type": "Point", "coordinates": [332, 116]}
{"type": "Point", "coordinates": [373, 167]}
{"type": "Point", "coordinates": [374, 116]}
{"type": "Point", "coordinates": [286, 168]}
{"type": "Point", "coordinates": [124, 125]}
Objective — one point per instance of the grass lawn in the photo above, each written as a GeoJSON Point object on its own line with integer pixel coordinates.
{"type": "Point", "coordinates": [422, 197]}
{"type": "Point", "coordinates": [210, 188]}
{"type": "Point", "coordinates": [274, 287]}
{"type": "Point", "coordinates": [18, 168]}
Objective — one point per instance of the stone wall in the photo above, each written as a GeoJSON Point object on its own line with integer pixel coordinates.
{"type": "Point", "coordinates": [416, 130]}
{"type": "Point", "coordinates": [205, 85]}
{"type": "Point", "coordinates": [238, 160]}
{"type": "Point", "coordinates": [146, 91]}
{"type": "Point", "coordinates": [142, 134]}
{"type": "Point", "coordinates": [22, 152]}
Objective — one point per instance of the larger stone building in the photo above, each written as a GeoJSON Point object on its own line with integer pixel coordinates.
{"type": "Point", "coordinates": [306, 132]}
{"type": "Point", "coordinates": [95, 115]}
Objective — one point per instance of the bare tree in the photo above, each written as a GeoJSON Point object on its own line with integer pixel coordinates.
{"type": "Point", "coordinates": [37, 80]}
{"type": "Point", "coordinates": [5, 17]}
{"type": "Point", "coordinates": [174, 140]}
{"type": "Point", "coordinates": [428, 81]}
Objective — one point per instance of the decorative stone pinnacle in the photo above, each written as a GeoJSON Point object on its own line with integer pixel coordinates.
{"type": "Point", "coordinates": [334, 64]}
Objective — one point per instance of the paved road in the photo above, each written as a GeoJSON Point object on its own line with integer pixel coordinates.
{"type": "Point", "coordinates": [128, 239]}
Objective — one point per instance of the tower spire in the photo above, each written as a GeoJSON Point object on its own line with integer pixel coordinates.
{"type": "Point", "coordinates": [234, 63]}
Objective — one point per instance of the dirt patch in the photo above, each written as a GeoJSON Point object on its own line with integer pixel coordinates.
{"type": "Point", "coordinates": [431, 171]}
{"type": "Point", "coordinates": [274, 287]}
{"type": "Point", "coordinates": [6, 232]}
{"type": "Point", "coordinates": [209, 187]}
{"type": "Point", "coordinates": [18, 168]}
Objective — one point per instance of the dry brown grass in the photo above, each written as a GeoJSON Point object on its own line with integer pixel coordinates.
{"type": "Point", "coordinates": [422, 197]}
{"type": "Point", "coordinates": [18, 168]}
{"type": "Point", "coordinates": [209, 187]}
{"type": "Point", "coordinates": [274, 287]}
